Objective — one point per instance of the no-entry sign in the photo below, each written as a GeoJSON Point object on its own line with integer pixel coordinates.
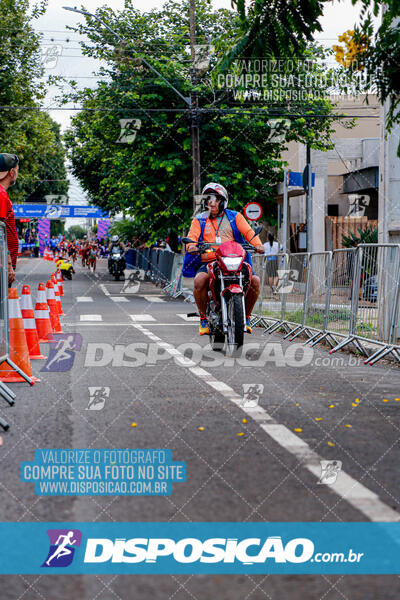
{"type": "Point", "coordinates": [253, 211]}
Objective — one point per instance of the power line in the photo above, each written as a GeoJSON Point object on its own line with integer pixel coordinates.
{"type": "Point", "coordinates": [233, 111]}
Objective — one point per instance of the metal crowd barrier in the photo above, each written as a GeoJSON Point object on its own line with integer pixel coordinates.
{"type": "Point", "coordinates": [352, 294]}
{"type": "Point", "coordinates": [5, 391]}
{"type": "Point", "coordinates": [347, 296]}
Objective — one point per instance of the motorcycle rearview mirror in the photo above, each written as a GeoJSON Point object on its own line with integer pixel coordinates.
{"type": "Point", "coordinates": [257, 231]}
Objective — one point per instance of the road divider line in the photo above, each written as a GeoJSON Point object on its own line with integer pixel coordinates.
{"type": "Point", "coordinates": [346, 487]}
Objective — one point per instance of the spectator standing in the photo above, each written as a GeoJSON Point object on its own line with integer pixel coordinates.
{"type": "Point", "coordinates": [271, 250]}
{"type": "Point", "coordinates": [9, 166]}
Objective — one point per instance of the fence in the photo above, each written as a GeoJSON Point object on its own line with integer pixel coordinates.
{"type": "Point", "coordinates": [348, 296]}
{"type": "Point", "coordinates": [162, 268]}
{"type": "Point", "coordinates": [345, 296]}
{"type": "Point", "coordinates": [5, 391]}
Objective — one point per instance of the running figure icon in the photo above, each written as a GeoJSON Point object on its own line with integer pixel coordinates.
{"type": "Point", "coordinates": [62, 549]}
{"type": "Point", "coordinates": [62, 352]}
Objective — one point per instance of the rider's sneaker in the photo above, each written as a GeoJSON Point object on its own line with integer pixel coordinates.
{"type": "Point", "coordinates": [248, 326]}
{"type": "Point", "coordinates": [204, 328]}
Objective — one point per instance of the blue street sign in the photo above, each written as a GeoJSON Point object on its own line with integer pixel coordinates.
{"type": "Point", "coordinates": [296, 179]}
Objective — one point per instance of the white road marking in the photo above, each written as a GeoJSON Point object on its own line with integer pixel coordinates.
{"type": "Point", "coordinates": [104, 289]}
{"type": "Point", "coordinates": [84, 299]}
{"type": "Point", "coordinates": [91, 318]}
{"type": "Point", "coordinates": [141, 318]}
{"type": "Point", "coordinates": [83, 324]}
{"type": "Point", "coordinates": [119, 299]}
{"type": "Point", "coordinates": [186, 318]}
{"type": "Point", "coordinates": [153, 299]}
{"type": "Point", "coordinates": [348, 488]}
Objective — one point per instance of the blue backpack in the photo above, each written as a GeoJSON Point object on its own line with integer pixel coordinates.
{"type": "Point", "coordinates": [192, 262]}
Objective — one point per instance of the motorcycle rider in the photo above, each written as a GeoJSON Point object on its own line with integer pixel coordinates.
{"type": "Point", "coordinates": [115, 242]}
{"type": "Point", "coordinates": [220, 225]}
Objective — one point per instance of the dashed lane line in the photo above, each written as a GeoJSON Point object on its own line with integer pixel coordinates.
{"type": "Point", "coordinates": [91, 318]}
{"type": "Point", "coordinates": [119, 299]}
{"type": "Point", "coordinates": [349, 489]}
{"type": "Point", "coordinates": [84, 299]}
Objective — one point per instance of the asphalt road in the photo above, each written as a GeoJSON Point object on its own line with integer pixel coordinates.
{"type": "Point", "coordinates": [313, 407]}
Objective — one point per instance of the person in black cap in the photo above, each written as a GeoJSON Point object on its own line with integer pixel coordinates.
{"type": "Point", "coordinates": [8, 177]}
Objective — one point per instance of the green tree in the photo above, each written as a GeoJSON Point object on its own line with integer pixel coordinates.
{"type": "Point", "coordinates": [151, 178]}
{"type": "Point", "coordinates": [31, 134]}
{"type": "Point", "coordinates": [75, 232]}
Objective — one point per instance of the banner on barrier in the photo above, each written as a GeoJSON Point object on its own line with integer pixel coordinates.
{"type": "Point", "coordinates": [58, 211]}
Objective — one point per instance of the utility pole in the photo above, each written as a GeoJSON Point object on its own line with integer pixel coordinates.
{"type": "Point", "coordinates": [192, 102]}
{"type": "Point", "coordinates": [309, 200]}
{"type": "Point", "coordinates": [195, 114]}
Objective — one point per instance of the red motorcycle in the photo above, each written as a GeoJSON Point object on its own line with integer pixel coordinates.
{"type": "Point", "coordinates": [230, 278]}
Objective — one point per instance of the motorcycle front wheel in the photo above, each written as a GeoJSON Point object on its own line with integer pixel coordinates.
{"type": "Point", "coordinates": [235, 333]}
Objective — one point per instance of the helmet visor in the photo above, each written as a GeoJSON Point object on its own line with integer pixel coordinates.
{"type": "Point", "coordinates": [211, 198]}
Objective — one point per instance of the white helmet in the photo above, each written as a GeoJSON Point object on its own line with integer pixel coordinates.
{"type": "Point", "coordinates": [218, 189]}
{"type": "Point", "coordinates": [115, 239]}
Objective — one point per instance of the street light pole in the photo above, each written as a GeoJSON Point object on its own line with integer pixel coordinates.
{"type": "Point", "coordinates": [191, 102]}
{"type": "Point", "coordinates": [195, 115]}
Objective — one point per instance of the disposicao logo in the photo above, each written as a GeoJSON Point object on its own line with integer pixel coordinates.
{"type": "Point", "coordinates": [62, 547]}
{"type": "Point", "coordinates": [191, 550]}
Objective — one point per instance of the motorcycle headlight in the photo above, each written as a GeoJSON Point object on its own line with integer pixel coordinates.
{"type": "Point", "coordinates": [231, 263]}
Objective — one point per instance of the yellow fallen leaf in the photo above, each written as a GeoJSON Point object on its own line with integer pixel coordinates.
{"type": "Point", "coordinates": [200, 428]}
{"type": "Point", "coordinates": [298, 429]}
{"type": "Point", "coordinates": [331, 444]}
{"type": "Point", "coordinates": [244, 420]}
{"type": "Point", "coordinates": [240, 434]}
{"type": "Point", "coordinates": [385, 400]}
{"type": "Point", "coordinates": [133, 424]}
{"type": "Point", "coordinates": [318, 418]}
{"type": "Point", "coordinates": [357, 400]}
{"type": "Point", "coordinates": [354, 404]}
{"type": "Point", "coordinates": [331, 406]}
{"type": "Point", "coordinates": [297, 404]}
{"type": "Point", "coordinates": [348, 425]}
{"type": "Point", "coordinates": [397, 399]}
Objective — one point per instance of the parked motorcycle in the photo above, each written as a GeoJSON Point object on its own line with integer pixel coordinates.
{"type": "Point", "coordinates": [230, 278]}
{"type": "Point", "coordinates": [116, 262]}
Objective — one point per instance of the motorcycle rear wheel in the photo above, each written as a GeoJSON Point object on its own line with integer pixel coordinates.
{"type": "Point", "coordinates": [235, 333]}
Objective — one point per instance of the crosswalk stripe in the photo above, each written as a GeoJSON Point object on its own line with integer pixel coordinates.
{"type": "Point", "coordinates": [91, 318]}
{"type": "Point", "coordinates": [119, 299]}
{"type": "Point", "coordinates": [153, 299]}
{"type": "Point", "coordinates": [185, 317]}
{"type": "Point", "coordinates": [141, 318]}
{"type": "Point", "coordinates": [84, 299]}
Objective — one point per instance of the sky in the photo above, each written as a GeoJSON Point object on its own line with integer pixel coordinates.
{"type": "Point", "coordinates": [62, 55]}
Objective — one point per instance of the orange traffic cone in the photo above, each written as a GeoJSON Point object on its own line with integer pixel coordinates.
{"type": "Point", "coordinates": [52, 302]}
{"type": "Point", "coordinates": [42, 316]}
{"type": "Point", "coordinates": [60, 281]}
{"type": "Point", "coordinates": [57, 294]}
{"type": "Point", "coordinates": [28, 317]}
{"type": "Point", "coordinates": [18, 351]}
